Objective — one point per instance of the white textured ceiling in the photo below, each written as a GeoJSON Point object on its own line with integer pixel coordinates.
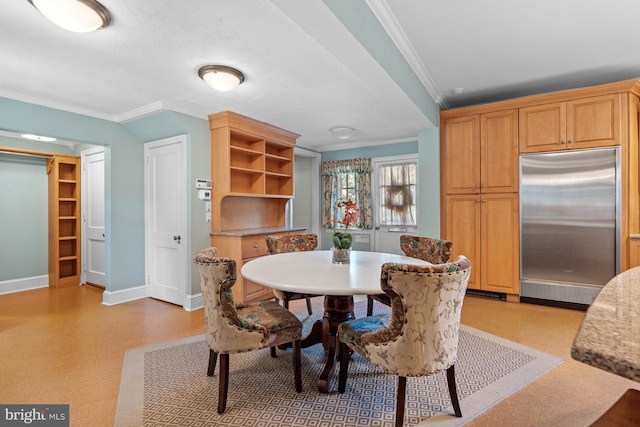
{"type": "Point", "coordinates": [304, 70]}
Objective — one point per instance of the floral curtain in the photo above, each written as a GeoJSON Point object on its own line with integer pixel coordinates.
{"type": "Point", "coordinates": [331, 175]}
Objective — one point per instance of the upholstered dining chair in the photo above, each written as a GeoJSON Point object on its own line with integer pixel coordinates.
{"type": "Point", "coordinates": [235, 328]}
{"type": "Point", "coordinates": [420, 335]}
{"type": "Point", "coordinates": [435, 251]}
{"type": "Point", "coordinates": [292, 243]}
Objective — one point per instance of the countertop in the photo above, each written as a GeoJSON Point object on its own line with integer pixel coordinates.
{"type": "Point", "coordinates": [609, 337]}
{"type": "Point", "coordinates": [256, 231]}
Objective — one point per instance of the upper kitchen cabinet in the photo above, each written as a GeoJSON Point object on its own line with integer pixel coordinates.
{"type": "Point", "coordinates": [580, 123]}
{"type": "Point", "coordinates": [252, 172]}
{"type": "Point", "coordinates": [481, 153]}
{"type": "Point", "coordinates": [251, 157]}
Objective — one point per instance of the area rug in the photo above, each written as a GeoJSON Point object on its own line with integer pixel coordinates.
{"type": "Point", "coordinates": [167, 385]}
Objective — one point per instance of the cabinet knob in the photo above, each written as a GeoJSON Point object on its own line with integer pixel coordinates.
{"type": "Point", "coordinates": [256, 246]}
{"type": "Point", "coordinates": [569, 142]}
{"type": "Point", "coordinates": [562, 141]}
{"type": "Point", "coordinates": [177, 238]}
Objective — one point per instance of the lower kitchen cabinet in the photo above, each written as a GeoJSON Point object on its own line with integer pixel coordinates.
{"type": "Point", "coordinates": [244, 246]}
{"type": "Point", "coordinates": [484, 228]}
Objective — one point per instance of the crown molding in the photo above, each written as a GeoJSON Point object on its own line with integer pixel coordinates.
{"type": "Point", "coordinates": [381, 10]}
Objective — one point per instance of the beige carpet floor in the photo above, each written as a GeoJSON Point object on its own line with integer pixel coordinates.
{"type": "Point", "coordinates": [167, 385]}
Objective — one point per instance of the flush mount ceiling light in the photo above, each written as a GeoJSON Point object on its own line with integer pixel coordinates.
{"type": "Point", "coordinates": [221, 77]}
{"type": "Point", "coordinates": [79, 16]}
{"type": "Point", "coordinates": [37, 137]}
{"type": "Point", "coordinates": [343, 132]}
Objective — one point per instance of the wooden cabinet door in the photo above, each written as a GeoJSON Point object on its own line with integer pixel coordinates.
{"type": "Point", "coordinates": [500, 246]}
{"type": "Point", "coordinates": [462, 227]}
{"type": "Point", "coordinates": [593, 122]}
{"type": "Point", "coordinates": [461, 155]}
{"type": "Point", "coordinates": [251, 291]}
{"type": "Point", "coordinates": [543, 127]}
{"type": "Point", "coordinates": [634, 252]}
{"type": "Point", "coordinates": [499, 152]}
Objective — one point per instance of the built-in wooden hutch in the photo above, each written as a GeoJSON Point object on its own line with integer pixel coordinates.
{"type": "Point", "coordinates": [252, 181]}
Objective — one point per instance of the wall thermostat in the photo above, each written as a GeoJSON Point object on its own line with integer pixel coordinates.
{"type": "Point", "coordinates": [204, 194]}
{"type": "Point", "coordinates": [205, 184]}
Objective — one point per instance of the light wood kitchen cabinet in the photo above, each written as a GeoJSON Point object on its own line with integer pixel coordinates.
{"type": "Point", "coordinates": [480, 175]}
{"type": "Point", "coordinates": [575, 124]}
{"type": "Point", "coordinates": [484, 150]}
{"type": "Point", "coordinates": [64, 221]}
{"type": "Point", "coordinates": [634, 251]}
{"type": "Point", "coordinates": [484, 228]}
{"type": "Point", "coordinates": [244, 246]}
{"type": "Point", "coordinates": [252, 181]}
{"type": "Point", "coordinates": [488, 232]}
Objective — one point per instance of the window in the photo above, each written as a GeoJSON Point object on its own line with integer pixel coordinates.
{"type": "Point", "coordinates": [344, 180]}
{"type": "Point", "coordinates": [396, 192]}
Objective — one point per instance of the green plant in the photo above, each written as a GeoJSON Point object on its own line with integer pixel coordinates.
{"type": "Point", "coordinates": [342, 240]}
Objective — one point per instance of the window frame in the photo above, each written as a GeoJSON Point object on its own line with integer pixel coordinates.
{"type": "Point", "coordinates": [376, 164]}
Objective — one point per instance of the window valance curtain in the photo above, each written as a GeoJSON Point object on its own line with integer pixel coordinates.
{"type": "Point", "coordinates": [333, 173]}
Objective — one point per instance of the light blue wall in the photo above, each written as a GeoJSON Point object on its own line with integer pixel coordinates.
{"type": "Point", "coordinates": [302, 215]}
{"type": "Point", "coordinates": [429, 182]}
{"type": "Point", "coordinates": [124, 177]}
{"type": "Point", "coordinates": [23, 216]}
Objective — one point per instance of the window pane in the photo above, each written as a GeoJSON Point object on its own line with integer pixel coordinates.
{"type": "Point", "coordinates": [397, 194]}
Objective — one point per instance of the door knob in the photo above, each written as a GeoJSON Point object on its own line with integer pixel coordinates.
{"type": "Point", "coordinates": [177, 238]}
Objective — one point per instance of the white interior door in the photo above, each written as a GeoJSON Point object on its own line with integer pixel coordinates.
{"type": "Point", "coordinates": [386, 237]}
{"type": "Point", "coordinates": [93, 248]}
{"type": "Point", "coordinates": [166, 213]}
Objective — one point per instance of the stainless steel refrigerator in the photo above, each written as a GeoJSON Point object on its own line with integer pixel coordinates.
{"type": "Point", "coordinates": [569, 224]}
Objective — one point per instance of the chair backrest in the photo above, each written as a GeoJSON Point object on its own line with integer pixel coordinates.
{"type": "Point", "coordinates": [226, 331]}
{"type": "Point", "coordinates": [291, 243]}
{"type": "Point", "coordinates": [435, 251]}
{"type": "Point", "coordinates": [426, 302]}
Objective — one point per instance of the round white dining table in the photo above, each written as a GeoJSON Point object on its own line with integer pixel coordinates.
{"type": "Point", "coordinates": [312, 272]}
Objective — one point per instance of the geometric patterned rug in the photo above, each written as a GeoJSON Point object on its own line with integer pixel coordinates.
{"type": "Point", "coordinates": [167, 385]}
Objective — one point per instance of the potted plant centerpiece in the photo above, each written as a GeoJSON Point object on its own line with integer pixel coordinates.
{"type": "Point", "coordinates": [341, 251]}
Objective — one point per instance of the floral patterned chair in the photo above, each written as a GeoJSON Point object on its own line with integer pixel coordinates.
{"type": "Point", "coordinates": [292, 243]}
{"type": "Point", "coordinates": [235, 328]}
{"type": "Point", "coordinates": [428, 249]}
{"type": "Point", "coordinates": [420, 335]}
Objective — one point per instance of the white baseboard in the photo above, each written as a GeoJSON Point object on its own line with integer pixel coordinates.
{"type": "Point", "coordinates": [23, 284]}
{"type": "Point", "coordinates": [193, 302]}
{"type": "Point", "coordinates": [125, 295]}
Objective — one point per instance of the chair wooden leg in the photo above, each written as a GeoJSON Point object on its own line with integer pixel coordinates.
{"type": "Point", "coordinates": [344, 365]}
{"type": "Point", "coordinates": [453, 391]}
{"type": "Point", "coordinates": [402, 389]}
{"type": "Point", "coordinates": [369, 306]}
{"type": "Point", "coordinates": [224, 383]}
{"type": "Point", "coordinates": [273, 351]}
{"type": "Point", "coordinates": [309, 306]}
{"type": "Point", "coordinates": [213, 358]}
{"type": "Point", "coordinates": [297, 365]}
{"type": "Point", "coordinates": [285, 303]}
